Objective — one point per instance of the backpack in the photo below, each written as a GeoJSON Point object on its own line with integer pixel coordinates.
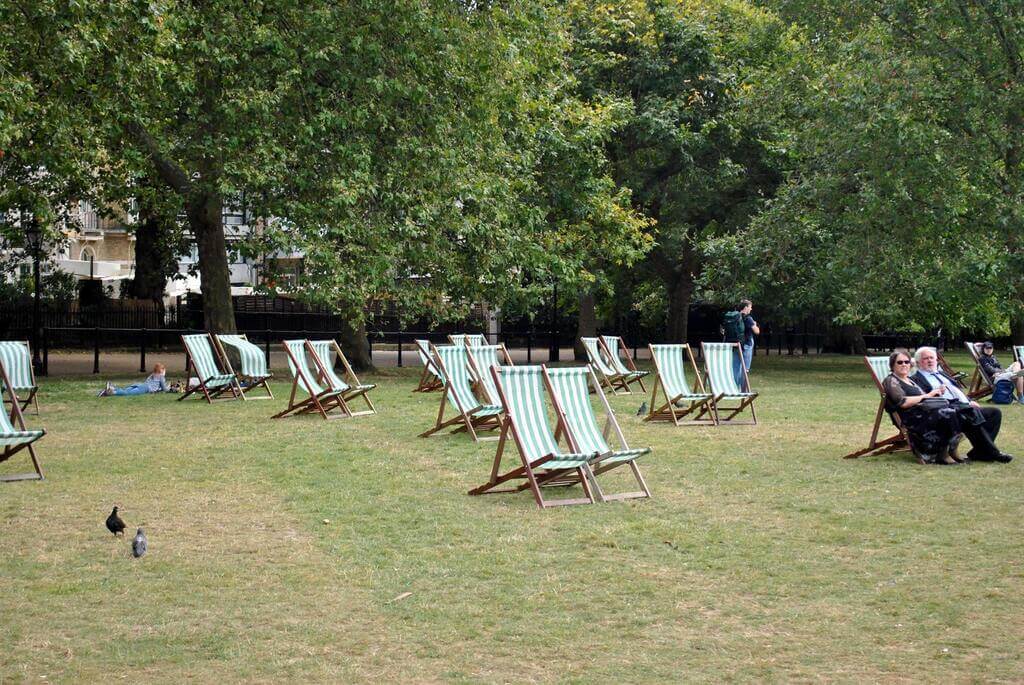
{"type": "Point", "coordinates": [1002, 393]}
{"type": "Point", "coordinates": [734, 326]}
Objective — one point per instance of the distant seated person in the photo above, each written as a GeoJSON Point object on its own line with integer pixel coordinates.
{"type": "Point", "coordinates": [931, 423]}
{"type": "Point", "coordinates": [156, 382]}
{"type": "Point", "coordinates": [979, 424]}
{"type": "Point", "coordinates": [996, 371]}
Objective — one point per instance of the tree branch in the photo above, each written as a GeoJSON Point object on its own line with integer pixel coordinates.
{"type": "Point", "coordinates": [170, 173]}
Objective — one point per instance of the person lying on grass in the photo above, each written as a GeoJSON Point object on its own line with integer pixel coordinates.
{"type": "Point", "coordinates": [156, 382]}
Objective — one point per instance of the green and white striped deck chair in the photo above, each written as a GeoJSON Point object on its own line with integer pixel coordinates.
{"type": "Point", "coordinates": [681, 398]}
{"type": "Point", "coordinates": [470, 339]}
{"type": "Point", "coordinates": [348, 386]}
{"type": "Point", "coordinates": [254, 373]}
{"type": "Point", "coordinates": [718, 365]}
{"type": "Point", "coordinates": [16, 357]}
{"type": "Point", "coordinates": [1018, 353]}
{"type": "Point", "coordinates": [570, 393]}
{"type": "Point", "coordinates": [628, 372]}
{"type": "Point", "coordinates": [306, 374]}
{"type": "Point", "coordinates": [455, 366]}
{"type": "Point", "coordinates": [213, 382]}
{"type": "Point", "coordinates": [430, 379]}
{"type": "Point", "coordinates": [14, 436]}
{"type": "Point", "coordinates": [596, 355]}
{"type": "Point", "coordinates": [981, 384]}
{"type": "Point", "coordinates": [879, 369]}
{"type": "Point", "coordinates": [542, 462]}
{"type": "Point", "coordinates": [481, 359]}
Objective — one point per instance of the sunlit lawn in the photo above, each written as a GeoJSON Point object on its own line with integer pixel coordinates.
{"type": "Point", "coordinates": [762, 556]}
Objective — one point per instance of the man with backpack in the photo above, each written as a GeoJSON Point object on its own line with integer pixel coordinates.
{"type": "Point", "coordinates": [740, 327]}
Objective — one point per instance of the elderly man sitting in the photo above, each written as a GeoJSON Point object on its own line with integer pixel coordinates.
{"type": "Point", "coordinates": [979, 424]}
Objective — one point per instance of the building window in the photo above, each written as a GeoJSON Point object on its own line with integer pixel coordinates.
{"type": "Point", "coordinates": [88, 254]}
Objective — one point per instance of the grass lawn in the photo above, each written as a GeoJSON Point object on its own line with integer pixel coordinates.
{"type": "Point", "coordinates": [762, 555]}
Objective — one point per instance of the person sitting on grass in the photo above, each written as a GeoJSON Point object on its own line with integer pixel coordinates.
{"type": "Point", "coordinates": [996, 371]}
{"type": "Point", "coordinates": [156, 382]}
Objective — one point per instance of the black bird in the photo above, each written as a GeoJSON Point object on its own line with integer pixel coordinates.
{"type": "Point", "coordinates": [139, 544]}
{"type": "Point", "coordinates": [642, 409]}
{"type": "Point", "coordinates": [114, 523]}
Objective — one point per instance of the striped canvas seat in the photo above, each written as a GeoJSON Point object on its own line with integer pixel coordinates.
{"type": "Point", "coordinates": [430, 379]}
{"type": "Point", "coordinates": [16, 357]}
{"type": "Point", "coordinates": [542, 461]}
{"type": "Point", "coordinates": [14, 435]}
{"type": "Point", "coordinates": [455, 366]}
{"type": "Point", "coordinates": [253, 363]}
{"type": "Point", "coordinates": [482, 359]}
{"type": "Point", "coordinates": [718, 364]}
{"type": "Point", "coordinates": [468, 339]}
{"type": "Point", "coordinates": [1018, 353]}
{"type": "Point", "coordinates": [613, 344]}
{"type": "Point", "coordinates": [680, 397]}
{"type": "Point", "coordinates": [879, 369]}
{"type": "Point", "coordinates": [200, 356]}
{"type": "Point", "coordinates": [570, 392]}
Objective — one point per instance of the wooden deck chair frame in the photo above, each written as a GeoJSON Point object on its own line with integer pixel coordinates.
{"type": "Point", "coordinates": [251, 382]}
{"type": "Point", "coordinates": [322, 400]}
{"type": "Point", "coordinates": [698, 400]}
{"type": "Point", "coordinates": [210, 393]}
{"type": "Point", "coordinates": [536, 473]}
{"type": "Point", "coordinates": [633, 374]}
{"type": "Point", "coordinates": [430, 379]}
{"type": "Point", "coordinates": [469, 420]}
{"type": "Point", "coordinates": [604, 461]}
{"type": "Point", "coordinates": [716, 400]}
{"type": "Point", "coordinates": [17, 421]}
{"type": "Point", "coordinates": [894, 443]}
{"type": "Point", "coordinates": [981, 384]}
{"type": "Point", "coordinates": [607, 375]}
{"type": "Point", "coordinates": [33, 390]}
{"type": "Point", "coordinates": [356, 388]}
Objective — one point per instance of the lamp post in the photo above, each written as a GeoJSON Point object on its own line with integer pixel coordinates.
{"type": "Point", "coordinates": [34, 238]}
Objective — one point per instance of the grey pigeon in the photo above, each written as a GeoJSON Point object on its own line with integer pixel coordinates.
{"type": "Point", "coordinates": [139, 544]}
{"type": "Point", "coordinates": [642, 410]}
{"type": "Point", "coordinates": [114, 523]}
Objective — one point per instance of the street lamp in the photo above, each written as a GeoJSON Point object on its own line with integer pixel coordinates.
{"type": "Point", "coordinates": [34, 239]}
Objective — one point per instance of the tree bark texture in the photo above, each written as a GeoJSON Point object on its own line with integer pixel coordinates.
{"type": "Point", "coordinates": [204, 216]}
{"type": "Point", "coordinates": [680, 293]}
{"type": "Point", "coordinates": [586, 324]}
{"type": "Point", "coordinates": [356, 347]}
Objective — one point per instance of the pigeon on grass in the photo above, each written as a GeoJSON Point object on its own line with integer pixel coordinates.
{"type": "Point", "coordinates": [139, 544]}
{"type": "Point", "coordinates": [114, 523]}
{"type": "Point", "coordinates": [642, 410]}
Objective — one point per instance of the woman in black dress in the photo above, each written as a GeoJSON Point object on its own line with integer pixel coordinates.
{"type": "Point", "coordinates": [931, 424]}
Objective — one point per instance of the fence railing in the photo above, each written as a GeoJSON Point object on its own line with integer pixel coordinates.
{"type": "Point", "coordinates": [537, 343]}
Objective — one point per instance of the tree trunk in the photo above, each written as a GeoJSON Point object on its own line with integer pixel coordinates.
{"type": "Point", "coordinates": [845, 340]}
{"type": "Point", "coordinates": [680, 294]}
{"type": "Point", "coordinates": [586, 324]}
{"type": "Point", "coordinates": [1017, 329]}
{"type": "Point", "coordinates": [356, 347]}
{"type": "Point", "coordinates": [154, 261]}
{"type": "Point", "coordinates": [204, 216]}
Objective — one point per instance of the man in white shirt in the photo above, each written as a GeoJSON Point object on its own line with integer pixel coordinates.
{"type": "Point", "coordinates": [980, 424]}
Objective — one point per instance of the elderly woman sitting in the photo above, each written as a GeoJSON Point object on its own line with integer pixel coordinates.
{"type": "Point", "coordinates": [931, 424]}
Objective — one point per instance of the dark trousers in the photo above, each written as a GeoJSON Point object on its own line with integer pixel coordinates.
{"type": "Point", "coordinates": [983, 436]}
